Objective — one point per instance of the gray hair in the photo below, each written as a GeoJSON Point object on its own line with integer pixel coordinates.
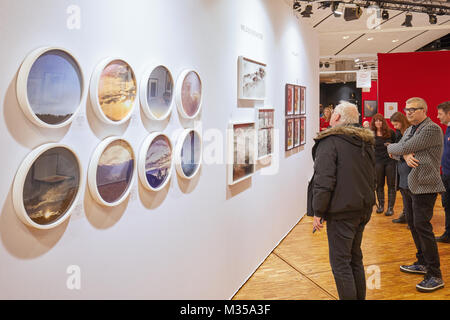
{"type": "Point", "coordinates": [418, 102]}
{"type": "Point", "coordinates": [348, 112]}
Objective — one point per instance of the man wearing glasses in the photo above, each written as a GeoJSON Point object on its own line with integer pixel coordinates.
{"type": "Point", "coordinates": [421, 146]}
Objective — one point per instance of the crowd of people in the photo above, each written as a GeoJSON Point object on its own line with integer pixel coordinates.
{"type": "Point", "coordinates": [352, 164]}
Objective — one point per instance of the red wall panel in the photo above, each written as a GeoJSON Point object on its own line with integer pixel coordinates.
{"type": "Point", "coordinates": [415, 74]}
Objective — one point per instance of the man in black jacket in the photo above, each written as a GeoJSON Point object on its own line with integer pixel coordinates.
{"type": "Point", "coordinates": [342, 192]}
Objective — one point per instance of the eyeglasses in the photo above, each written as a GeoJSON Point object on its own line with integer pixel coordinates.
{"type": "Point", "coordinates": [411, 110]}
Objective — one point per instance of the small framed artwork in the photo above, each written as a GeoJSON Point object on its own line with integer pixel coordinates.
{"type": "Point", "coordinates": [189, 94]}
{"type": "Point", "coordinates": [252, 79]}
{"type": "Point", "coordinates": [50, 87]}
{"type": "Point", "coordinates": [155, 161]}
{"type": "Point", "coordinates": [47, 186]}
{"type": "Point", "coordinates": [113, 91]}
{"type": "Point", "coordinates": [302, 131]}
{"type": "Point", "coordinates": [155, 92]}
{"type": "Point", "coordinates": [289, 134]}
{"type": "Point", "coordinates": [370, 108]}
{"type": "Point", "coordinates": [188, 154]}
{"type": "Point", "coordinates": [296, 132]}
{"type": "Point", "coordinates": [303, 100]}
{"type": "Point", "coordinates": [390, 108]}
{"type": "Point", "coordinates": [296, 100]}
{"type": "Point", "coordinates": [111, 171]}
{"type": "Point", "coordinates": [241, 151]}
{"type": "Point", "coordinates": [289, 100]}
{"type": "Point", "coordinates": [265, 121]}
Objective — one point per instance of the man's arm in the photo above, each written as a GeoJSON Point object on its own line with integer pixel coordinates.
{"type": "Point", "coordinates": [427, 137]}
{"type": "Point", "coordinates": [324, 176]}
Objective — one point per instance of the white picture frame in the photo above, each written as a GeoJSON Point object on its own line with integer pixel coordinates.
{"type": "Point", "coordinates": [94, 94]}
{"type": "Point", "coordinates": [22, 86]}
{"type": "Point", "coordinates": [178, 154]}
{"type": "Point", "coordinates": [93, 167]}
{"type": "Point", "coordinates": [142, 158]}
{"type": "Point", "coordinates": [251, 79]}
{"type": "Point", "coordinates": [143, 93]}
{"type": "Point", "coordinates": [19, 184]}
{"type": "Point", "coordinates": [179, 94]}
{"type": "Point", "coordinates": [234, 178]}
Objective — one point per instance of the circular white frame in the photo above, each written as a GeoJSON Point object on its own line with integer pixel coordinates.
{"type": "Point", "coordinates": [92, 173]}
{"type": "Point", "coordinates": [93, 91]}
{"type": "Point", "coordinates": [19, 182]}
{"type": "Point", "coordinates": [143, 93]}
{"type": "Point", "coordinates": [178, 99]}
{"type": "Point", "coordinates": [22, 87]}
{"type": "Point", "coordinates": [178, 149]}
{"type": "Point", "coordinates": [142, 158]}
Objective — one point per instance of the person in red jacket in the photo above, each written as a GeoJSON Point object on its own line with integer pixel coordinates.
{"type": "Point", "coordinates": [325, 120]}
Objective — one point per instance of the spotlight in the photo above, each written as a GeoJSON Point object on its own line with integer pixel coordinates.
{"type": "Point", "coordinates": [320, 64]}
{"type": "Point", "coordinates": [308, 11]}
{"type": "Point", "coordinates": [385, 15]}
{"type": "Point", "coordinates": [432, 19]}
{"type": "Point", "coordinates": [337, 8]}
{"type": "Point", "coordinates": [408, 19]}
{"type": "Point", "coordinates": [297, 6]}
{"type": "Point", "coordinates": [352, 13]}
{"type": "Point", "coordinates": [327, 64]}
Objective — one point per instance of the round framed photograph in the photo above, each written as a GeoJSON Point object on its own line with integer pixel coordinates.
{"type": "Point", "coordinates": [50, 87]}
{"type": "Point", "coordinates": [47, 186]}
{"type": "Point", "coordinates": [189, 94]}
{"type": "Point", "coordinates": [156, 92]}
{"type": "Point", "coordinates": [188, 153]}
{"type": "Point", "coordinates": [155, 161]}
{"type": "Point", "coordinates": [113, 91]}
{"type": "Point", "coordinates": [111, 171]}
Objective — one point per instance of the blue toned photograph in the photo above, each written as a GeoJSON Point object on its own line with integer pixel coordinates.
{"type": "Point", "coordinates": [158, 161]}
{"type": "Point", "coordinates": [54, 87]}
{"type": "Point", "coordinates": [190, 154]}
{"type": "Point", "coordinates": [159, 92]}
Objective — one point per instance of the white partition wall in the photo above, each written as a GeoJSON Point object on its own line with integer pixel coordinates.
{"type": "Point", "coordinates": [196, 238]}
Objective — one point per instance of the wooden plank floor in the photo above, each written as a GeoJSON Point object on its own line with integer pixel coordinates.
{"type": "Point", "coordinates": [299, 269]}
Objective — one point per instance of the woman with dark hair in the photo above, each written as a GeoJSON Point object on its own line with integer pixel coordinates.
{"type": "Point", "coordinates": [400, 123]}
{"type": "Point", "coordinates": [385, 167]}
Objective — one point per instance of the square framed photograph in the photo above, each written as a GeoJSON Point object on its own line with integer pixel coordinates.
{"type": "Point", "coordinates": [303, 100]}
{"type": "Point", "coordinates": [289, 100]}
{"type": "Point", "coordinates": [241, 151]}
{"type": "Point", "coordinates": [252, 79]}
{"type": "Point", "coordinates": [302, 131]}
{"type": "Point", "coordinates": [289, 144]}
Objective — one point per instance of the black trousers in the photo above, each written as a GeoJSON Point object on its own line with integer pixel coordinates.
{"type": "Point", "coordinates": [419, 211]}
{"type": "Point", "coordinates": [346, 259]}
{"type": "Point", "coordinates": [446, 202]}
{"type": "Point", "coordinates": [386, 171]}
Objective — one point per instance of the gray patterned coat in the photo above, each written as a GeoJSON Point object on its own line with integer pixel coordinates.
{"type": "Point", "coordinates": [427, 145]}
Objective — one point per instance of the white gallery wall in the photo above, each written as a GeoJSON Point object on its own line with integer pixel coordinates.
{"type": "Point", "coordinates": [198, 239]}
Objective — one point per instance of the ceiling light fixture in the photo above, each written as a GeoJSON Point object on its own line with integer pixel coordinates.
{"type": "Point", "coordinates": [352, 13]}
{"type": "Point", "coordinates": [297, 6]}
{"type": "Point", "coordinates": [408, 19]}
{"type": "Point", "coordinates": [432, 19]}
{"type": "Point", "coordinates": [395, 40]}
{"type": "Point", "coordinates": [307, 12]}
{"type": "Point", "coordinates": [370, 39]}
{"type": "Point", "coordinates": [385, 15]}
{"type": "Point", "coordinates": [337, 8]}
{"type": "Point", "coordinates": [345, 37]}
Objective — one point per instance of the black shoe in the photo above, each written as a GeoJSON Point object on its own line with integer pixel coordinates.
{"type": "Point", "coordinates": [414, 268]}
{"type": "Point", "coordinates": [389, 212]}
{"type": "Point", "coordinates": [445, 238]}
{"type": "Point", "coordinates": [400, 219]}
{"type": "Point", "coordinates": [429, 285]}
{"type": "Point", "coordinates": [380, 209]}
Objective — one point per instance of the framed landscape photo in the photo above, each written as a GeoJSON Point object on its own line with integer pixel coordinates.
{"type": "Point", "coordinates": [289, 100]}
{"type": "Point", "coordinates": [302, 100]}
{"type": "Point", "coordinates": [188, 154]}
{"type": "Point", "coordinates": [302, 130]}
{"type": "Point", "coordinates": [189, 94]}
{"type": "Point", "coordinates": [241, 151]}
{"type": "Point", "coordinates": [289, 144]}
{"type": "Point", "coordinates": [50, 87]}
{"type": "Point", "coordinates": [251, 79]}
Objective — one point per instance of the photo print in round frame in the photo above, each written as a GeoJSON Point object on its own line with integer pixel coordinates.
{"type": "Point", "coordinates": [156, 92]}
{"type": "Point", "coordinates": [289, 100]}
{"type": "Point", "coordinates": [289, 134]}
{"type": "Point", "coordinates": [303, 100]}
{"type": "Point", "coordinates": [251, 79]}
{"type": "Point", "coordinates": [265, 121]}
{"type": "Point", "coordinates": [111, 171]}
{"type": "Point", "coordinates": [189, 94]}
{"type": "Point", "coordinates": [188, 153]}
{"type": "Point", "coordinates": [113, 91]}
{"type": "Point", "coordinates": [155, 161]}
{"type": "Point", "coordinates": [50, 87]}
{"type": "Point", "coordinates": [47, 186]}
{"type": "Point", "coordinates": [241, 151]}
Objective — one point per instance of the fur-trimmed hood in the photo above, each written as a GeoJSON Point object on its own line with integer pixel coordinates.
{"type": "Point", "coordinates": [355, 135]}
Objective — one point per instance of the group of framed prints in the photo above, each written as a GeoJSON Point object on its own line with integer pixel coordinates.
{"type": "Point", "coordinates": [295, 113]}
{"type": "Point", "coordinates": [50, 88]}
{"type": "Point", "coordinates": [253, 140]}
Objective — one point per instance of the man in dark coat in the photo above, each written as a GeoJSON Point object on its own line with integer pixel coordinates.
{"type": "Point", "coordinates": [342, 192]}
